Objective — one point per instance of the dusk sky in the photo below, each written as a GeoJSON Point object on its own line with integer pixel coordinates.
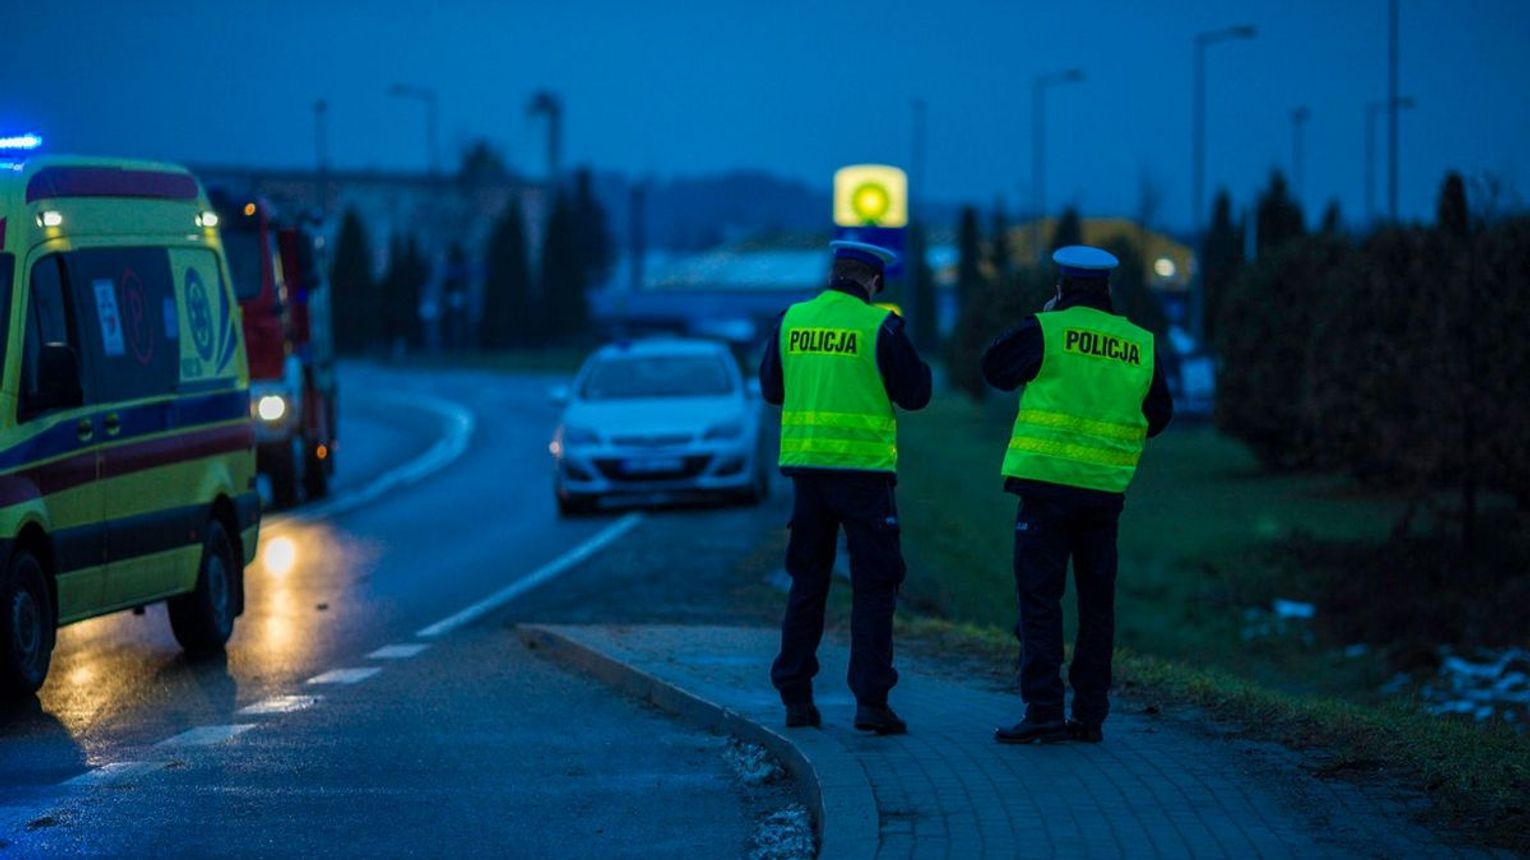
{"type": "Point", "coordinates": [794, 88]}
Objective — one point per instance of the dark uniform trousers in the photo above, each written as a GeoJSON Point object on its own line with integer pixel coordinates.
{"type": "Point", "coordinates": [864, 504]}
{"type": "Point", "coordinates": [1048, 531]}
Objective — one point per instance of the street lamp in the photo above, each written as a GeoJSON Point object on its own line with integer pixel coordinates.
{"type": "Point", "coordinates": [1198, 119]}
{"type": "Point", "coordinates": [432, 118]}
{"type": "Point", "coordinates": [1372, 110]}
{"type": "Point", "coordinates": [1299, 119]}
{"type": "Point", "coordinates": [1038, 146]}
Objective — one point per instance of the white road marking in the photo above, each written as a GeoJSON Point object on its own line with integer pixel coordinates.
{"type": "Point", "coordinates": [459, 421]}
{"type": "Point", "coordinates": [535, 578]}
{"type": "Point", "coordinates": [398, 652]}
{"type": "Point", "coordinates": [279, 705]}
{"type": "Point", "coordinates": [116, 771]}
{"type": "Point", "coordinates": [202, 736]}
{"type": "Point", "coordinates": [345, 676]}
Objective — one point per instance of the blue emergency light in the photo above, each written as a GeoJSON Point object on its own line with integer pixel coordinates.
{"type": "Point", "coordinates": [24, 142]}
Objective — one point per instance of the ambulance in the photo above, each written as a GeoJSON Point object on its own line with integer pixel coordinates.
{"type": "Point", "coordinates": [127, 448]}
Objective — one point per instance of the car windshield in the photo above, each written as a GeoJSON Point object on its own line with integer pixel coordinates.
{"type": "Point", "coordinates": [242, 247]}
{"type": "Point", "coordinates": [657, 376]}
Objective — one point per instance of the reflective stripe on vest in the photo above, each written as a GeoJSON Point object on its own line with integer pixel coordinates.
{"type": "Point", "coordinates": [1080, 421]}
{"type": "Point", "coordinates": [837, 414]}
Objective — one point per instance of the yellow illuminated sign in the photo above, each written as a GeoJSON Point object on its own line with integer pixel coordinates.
{"type": "Point", "coordinates": [874, 195]}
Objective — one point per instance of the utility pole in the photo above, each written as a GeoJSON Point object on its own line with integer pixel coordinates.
{"type": "Point", "coordinates": [321, 152]}
{"type": "Point", "coordinates": [1299, 119]}
{"type": "Point", "coordinates": [923, 322]}
{"type": "Point", "coordinates": [1038, 148]}
{"type": "Point", "coordinates": [1392, 106]}
{"type": "Point", "coordinates": [1371, 111]}
{"type": "Point", "coordinates": [431, 99]}
{"type": "Point", "coordinates": [546, 103]}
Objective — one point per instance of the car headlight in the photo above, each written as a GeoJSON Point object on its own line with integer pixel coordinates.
{"type": "Point", "coordinates": [579, 436]}
{"type": "Point", "coordinates": [729, 430]}
{"type": "Point", "coordinates": [271, 407]}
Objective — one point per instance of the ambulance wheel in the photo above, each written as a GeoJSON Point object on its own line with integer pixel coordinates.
{"type": "Point", "coordinates": [315, 474]}
{"type": "Point", "coordinates": [27, 629]}
{"type": "Point", "coordinates": [204, 619]}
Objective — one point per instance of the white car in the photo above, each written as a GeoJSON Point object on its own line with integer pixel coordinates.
{"type": "Point", "coordinates": [659, 419]}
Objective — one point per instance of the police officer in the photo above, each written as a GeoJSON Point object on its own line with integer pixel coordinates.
{"type": "Point", "coordinates": [1094, 390]}
{"type": "Point", "coordinates": [836, 365]}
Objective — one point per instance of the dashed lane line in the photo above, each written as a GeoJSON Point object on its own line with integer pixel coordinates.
{"type": "Point", "coordinates": [542, 574]}
{"type": "Point", "coordinates": [203, 736]}
{"type": "Point", "coordinates": [279, 705]}
{"type": "Point", "coordinates": [398, 652]}
{"type": "Point", "coordinates": [345, 676]}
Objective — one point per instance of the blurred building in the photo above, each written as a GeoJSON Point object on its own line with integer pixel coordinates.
{"type": "Point", "coordinates": [434, 210]}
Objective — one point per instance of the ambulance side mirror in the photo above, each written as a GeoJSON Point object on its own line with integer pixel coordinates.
{"type": "Point", "coordinates": [58, 379]}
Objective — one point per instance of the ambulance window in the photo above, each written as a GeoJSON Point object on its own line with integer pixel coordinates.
{"type": "Point", "coordinates": [128, 320]}
{"type": "Point", "coordinates": [49, 320]}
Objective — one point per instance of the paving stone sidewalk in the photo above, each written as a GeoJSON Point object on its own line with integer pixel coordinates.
{"type": "Point", "coordinates": [1154, 788]}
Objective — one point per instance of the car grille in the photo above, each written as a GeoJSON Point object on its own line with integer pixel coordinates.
{"type": "Point", "coordinates": [614, 469]}
{"type": "Point", "coordinates": [653, 440]}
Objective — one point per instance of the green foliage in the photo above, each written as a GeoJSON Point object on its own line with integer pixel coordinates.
{"type": "Point", "coordinates": [507, 319]}
{"type": "Point", "coordinates": [1279, 216]}
{"type": "Point", "coordinates": [358, 319]}
{"type": "Point", "coordinates": [563, 307]}
{"type": "Point", "coordinates": [592, 234]}
{"type": "Point", "coordinates": [1221, 260]}
{"type": "Point", "coordinates": [923, 325]}
{"type": "Point", "coordinates": [1069, 230]}
{"type": "Point", "coordinates": [965, 343]}
{"type": "Point", "coordinates": [402, 288]}
{"type": "Point", "coordinates": [1000, 255]}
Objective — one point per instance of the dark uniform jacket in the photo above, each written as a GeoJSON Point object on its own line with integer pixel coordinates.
{"type": "Point", "coordinates": [904, 374]}
{"type": "Point", "coordinates": [1014, 358]}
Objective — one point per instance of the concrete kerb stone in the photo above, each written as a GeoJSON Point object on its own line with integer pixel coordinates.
{"type": "Point", "coordinates": [831, 778]}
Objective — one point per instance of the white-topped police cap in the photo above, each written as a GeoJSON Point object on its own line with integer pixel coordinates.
{"type": "Point", "coordinates": [1082, 261]}
{"type": "Point", "coordinates": [874, 255]}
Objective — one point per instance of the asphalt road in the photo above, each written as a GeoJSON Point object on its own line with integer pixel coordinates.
{"type": "Point", "coordinates": [468, 743]}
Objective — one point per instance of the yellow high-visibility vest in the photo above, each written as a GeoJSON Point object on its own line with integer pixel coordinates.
{"type": "Point", "coordinates": [837, 414]}
{"type": "Point", "coordinates": [1080, 422]}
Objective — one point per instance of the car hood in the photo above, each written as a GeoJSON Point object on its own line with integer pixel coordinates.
{"type": "Point", "coordinates": [669, 415]}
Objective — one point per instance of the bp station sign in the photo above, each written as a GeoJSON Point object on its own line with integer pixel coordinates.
{"type": "Point", "coordinates": [871, 205]}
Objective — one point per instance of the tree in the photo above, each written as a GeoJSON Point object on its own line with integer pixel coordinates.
{"type": "Point", "coordinates": [507, 314]}
{"type": "Point", "coordinates": [1279, 216]}
{"type": "Point", "coordinates": [592, 233]}
{"type": "Point", "coordinates": [1221, 260]}
{"type": "Point", "coordinates": [964, 346]}
{"type": "Point", "coordinates": [1069, 230]}
{"type": "Point", "coordinates": [1000, 255]}
{"type": "Point", "coordinates": [482, 164]}
{"type": "Point", "coordinates": [923, 322]}
{"type": "Point", "coordinates": [565, 273]}
{"type": "Point", "coordinates": [454, 291]}
{"type": "Point", "coordinates": [358, 314]}
{"type": "Point", "coordinates": [1333, 219]}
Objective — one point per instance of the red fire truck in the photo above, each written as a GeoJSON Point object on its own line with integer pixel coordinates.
{"type": "Point", "coordinates": [278, 273]}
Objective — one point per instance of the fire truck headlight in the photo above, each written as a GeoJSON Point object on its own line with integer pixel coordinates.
{"type": "Point", "coordinates": [271, 407]}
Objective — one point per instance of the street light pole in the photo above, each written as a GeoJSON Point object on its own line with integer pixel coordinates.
{"type": "Point", "coordinates": [432, 119]}
{"type": "Point", "coordinates": [1392, 106]}
{"type": "Point", "coordinates": [1371, 110]}
{"type": "Point", "coordinates": [1198, 115]}
{"type": "Point", "coordinates": [1299, 119]}
{"type": "Point", "coordinates": [1038, 148]}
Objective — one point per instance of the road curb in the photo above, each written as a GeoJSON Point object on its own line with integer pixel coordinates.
{"type": "Point", "coordinates": [833, 780]}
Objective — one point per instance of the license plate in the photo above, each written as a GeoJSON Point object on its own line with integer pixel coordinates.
{"type": "Point", "coordinates": [652, 465]}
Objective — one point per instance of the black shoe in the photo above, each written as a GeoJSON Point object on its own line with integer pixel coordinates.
{"type": "Point", "coordinates": [1029, 731]}
{"type": "Point", "coordinates": [1089, 733]}
{"type": "Point", "coordinates": [879, 719]}
{"type": "Point", "coordinates": [803, 714]}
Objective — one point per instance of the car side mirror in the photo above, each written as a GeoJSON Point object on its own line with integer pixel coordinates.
{"type": "Point", "coordinates": [58, 379]}
{"type": "Point", "coordinates": [558, 395]}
